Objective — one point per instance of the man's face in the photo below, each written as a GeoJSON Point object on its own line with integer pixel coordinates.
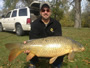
{"type": "Point", "coordinates": [45, 13]}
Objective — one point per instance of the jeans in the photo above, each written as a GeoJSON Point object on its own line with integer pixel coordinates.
{"type": "Point", "coordinates": [56, 63]}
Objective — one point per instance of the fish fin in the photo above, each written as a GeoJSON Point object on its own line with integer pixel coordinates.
{"type": "Point", "coordinates": [71, 56]}
{"type": "Point", "coordinates": [52, 60]}
{"type": "Point", "coordinates": [13, 54]}
{"type": "Point", "coordinates": [11, 46]}
{"type": "Point", "coordinates": [30, 56]}
{"type": "Point", "coordinates": [14, 50]}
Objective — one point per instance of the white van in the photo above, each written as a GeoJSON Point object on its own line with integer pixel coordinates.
{"type": "Point", "coordinates": [18, 20]}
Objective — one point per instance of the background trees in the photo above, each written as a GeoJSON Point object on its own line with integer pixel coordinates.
{"type": "Point", "coordinates": [86, 16]}
{"type": "Point", "coordinates": [61, 11]}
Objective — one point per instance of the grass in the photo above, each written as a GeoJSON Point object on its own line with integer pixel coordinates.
{"type": "Point", "coordinates": [82, 59]}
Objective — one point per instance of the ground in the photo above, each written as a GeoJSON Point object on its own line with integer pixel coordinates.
{"type": "Point", "coordinates": [82, 59]}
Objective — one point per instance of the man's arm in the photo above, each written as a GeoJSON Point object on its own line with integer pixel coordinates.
{"type": "Point", "coordinates": [58, 29]}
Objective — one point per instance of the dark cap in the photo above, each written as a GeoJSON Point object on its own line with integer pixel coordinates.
{"type": "Point", "coordinates": [45, 4]}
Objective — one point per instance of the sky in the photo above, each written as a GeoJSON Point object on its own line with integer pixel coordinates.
{"type": "Point", "coordinates": [1, 4]}
{"type": "Point", "coordinates": [82, 4]}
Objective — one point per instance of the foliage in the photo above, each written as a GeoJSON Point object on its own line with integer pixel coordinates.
{"type": "Point", "coordinates": [60, 7]}
{"type": "Point", "coordinates": [72, 15]}
{"type": "Point", "coordinates": [86, 19]}
{"type": "Point", "coordinates": [86, 16]}
{"type": "Point", "coordinates": [10, 4]}
{"type": "Point", "coordinates": [57, 13]}
{"type": "Point", "coordinates": [66, 21]}
{"type": "Point", "coordinates": [13, 4]}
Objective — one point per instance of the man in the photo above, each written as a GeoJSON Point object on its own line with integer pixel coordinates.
{"type": "Point", "coordinates": [43, 27]}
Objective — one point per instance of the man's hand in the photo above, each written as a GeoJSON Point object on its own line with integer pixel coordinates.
{"type": "Point", "coordinates": [25, 42]}
{"type": "Point", "coordinates": [27, 51]}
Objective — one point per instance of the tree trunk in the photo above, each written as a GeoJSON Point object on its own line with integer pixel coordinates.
{"type": "Point", "coordinates": [77, 14]}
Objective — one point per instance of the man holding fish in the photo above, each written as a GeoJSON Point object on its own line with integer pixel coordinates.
{"type": "Point", "coordinates": [42, 27]}
{"type": "Point", "coordinates": [46, 40]}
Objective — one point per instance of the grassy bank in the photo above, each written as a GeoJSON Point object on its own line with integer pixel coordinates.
{"type": "Point", "coordinates": [82, 59]}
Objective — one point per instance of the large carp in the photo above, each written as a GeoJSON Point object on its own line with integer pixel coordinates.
{"type": "Point", "coordinates": [46, 47]}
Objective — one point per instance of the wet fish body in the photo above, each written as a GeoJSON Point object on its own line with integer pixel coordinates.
{"type": "Point", "coordinates": [46, 47]}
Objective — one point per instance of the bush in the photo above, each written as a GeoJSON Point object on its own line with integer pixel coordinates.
{"type": "Point", "coordinates": [86, 19]}
{"type": "Point", "coordinates": [66, 21]}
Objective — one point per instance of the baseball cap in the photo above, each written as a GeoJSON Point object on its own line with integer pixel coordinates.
{"type": "Point", "coordinates": [45, 4]}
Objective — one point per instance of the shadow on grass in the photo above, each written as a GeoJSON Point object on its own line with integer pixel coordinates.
{"type": "Point", "coordinates": [26, 33]}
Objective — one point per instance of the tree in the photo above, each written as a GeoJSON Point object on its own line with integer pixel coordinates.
{"type": "Point", "coordinates": [11, 4]}
{"type": "Point", "coordinates": [77, 7]}
{"type": "Point", "coordinates": [59, 8]}
{"type": "Point", "coordinates": [77, 14]}
{"type": "Point", "coordinates": [86, 16]}
{"type": "Point", "coordinates": [56, 12]}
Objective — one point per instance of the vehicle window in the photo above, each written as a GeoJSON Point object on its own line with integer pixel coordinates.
{"type": "Point", "coordinates": [14, 14]}
{"type": "Point", "coordinates": [8, 15]}
{"type": "Point", "coordinates": [23, 12]}
{"type": "Point", "coordinates": [35, 11]}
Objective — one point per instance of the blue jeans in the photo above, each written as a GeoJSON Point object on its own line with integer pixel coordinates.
{"type": "Point", "coordinates": [57, 62]}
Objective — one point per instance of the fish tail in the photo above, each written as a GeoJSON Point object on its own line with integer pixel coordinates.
{"type": "Point", "coordinates": [14, 50]}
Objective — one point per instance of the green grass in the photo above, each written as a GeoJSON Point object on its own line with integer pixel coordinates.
{"type": "Point", "coordinates": [82, 59]}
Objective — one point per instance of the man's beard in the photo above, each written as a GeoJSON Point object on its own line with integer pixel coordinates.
{"type": "Point", "coordinates": [46, 18]}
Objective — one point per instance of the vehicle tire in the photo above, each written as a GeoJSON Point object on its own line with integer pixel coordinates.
{"type": "Point", "coordinates": [1, 28]}
{"type": "Point", "coordinates": [19, 30]}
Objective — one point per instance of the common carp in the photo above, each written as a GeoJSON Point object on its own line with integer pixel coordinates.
{"type": "Point", "coordinates": [53, 47]}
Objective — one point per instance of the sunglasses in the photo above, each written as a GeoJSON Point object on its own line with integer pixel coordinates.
{"type": "Point", "coordinates": [43, 10]}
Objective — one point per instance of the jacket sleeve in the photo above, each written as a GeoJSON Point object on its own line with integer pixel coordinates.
{"type": "Point", "coordinates": [58, 29]}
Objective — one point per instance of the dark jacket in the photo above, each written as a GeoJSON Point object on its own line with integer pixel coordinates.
{"type": "Point", "coordinates": [40, 30]}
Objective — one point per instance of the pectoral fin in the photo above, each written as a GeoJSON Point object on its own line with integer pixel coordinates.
{"type": "Point", "coordinates": [52, 60]}
{"type": "Point", "coordinates": [30, 56]}
{"type": "Point", "coordinates": [71, 56]}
